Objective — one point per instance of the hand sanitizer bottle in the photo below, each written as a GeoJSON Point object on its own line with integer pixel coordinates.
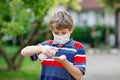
{"type": "Point", "coordinates": [42, 56]}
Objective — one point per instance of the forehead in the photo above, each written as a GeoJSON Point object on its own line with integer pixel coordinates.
{"type": "Point", "coordinates": [60, 30]}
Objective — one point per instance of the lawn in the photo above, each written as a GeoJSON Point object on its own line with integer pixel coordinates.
{"type": "Point", "coordinates": [29, 70]}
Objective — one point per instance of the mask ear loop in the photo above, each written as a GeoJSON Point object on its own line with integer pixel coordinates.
{"type": "Point", "coordinates": [53, 34]}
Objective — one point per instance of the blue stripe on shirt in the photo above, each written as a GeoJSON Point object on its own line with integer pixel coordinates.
{"type": "Point", "coordinates": [46, 73]}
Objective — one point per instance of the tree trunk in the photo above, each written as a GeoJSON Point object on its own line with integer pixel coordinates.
{"type": "Point", "coordinates": [33, 31]}
{"type": "Point", "coordinates": [9, 62]}
{"type": "Point", "coordinates": [32, 37]}
{"type": "Point", "coordinates": [106, 36]}
{"type": "Point", "coordinates": [11, 65]}
{"type": "Point", "coordinates": [118, 28]}
{"type": "Point", "coordinates": [35, 38]}
{"type": "Point", "coordinates": [19, 63]}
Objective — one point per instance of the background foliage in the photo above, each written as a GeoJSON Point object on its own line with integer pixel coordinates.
{"type": "Point", "coordinates": [23, 21]}
{"type": "Point", "coordinates": [84, 34]}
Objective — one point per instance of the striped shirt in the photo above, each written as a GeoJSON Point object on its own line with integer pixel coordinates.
{"type": "Point", "coordinates": [53, 70]}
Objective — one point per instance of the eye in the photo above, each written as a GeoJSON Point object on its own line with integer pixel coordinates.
{"type": "Point", "coordinates": [56, 33]}
{"type": "Point", "coordinates": [63, 33]}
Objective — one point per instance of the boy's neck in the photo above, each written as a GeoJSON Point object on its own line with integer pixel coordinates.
{"type": "Point", "coordinates": [60, 45]}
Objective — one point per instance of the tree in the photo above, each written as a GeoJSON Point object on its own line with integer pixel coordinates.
{"type": "Point", "coordinates": [114, 5]}
{"type": "Point", "coordinates": [20, 17]}
{"type": "Point", "coordinates": [109, 3]}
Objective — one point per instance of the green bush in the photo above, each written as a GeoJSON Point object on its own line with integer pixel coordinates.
{"type": "Point", "coordinates": [84, 34]}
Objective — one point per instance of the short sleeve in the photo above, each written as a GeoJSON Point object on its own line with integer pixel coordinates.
{"type": "Point", "coordinates": [80, 59]}
{"type": "Point", "coordinates": [34, 57]}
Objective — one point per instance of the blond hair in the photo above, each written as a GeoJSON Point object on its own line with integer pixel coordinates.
{"type": "Point", "coordinates": [61, 20]}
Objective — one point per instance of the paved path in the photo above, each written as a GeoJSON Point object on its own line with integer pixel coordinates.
{"type": "Point", "coordinates": [103, 67]}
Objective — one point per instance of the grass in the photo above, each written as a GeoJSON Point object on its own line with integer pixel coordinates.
{"type": "Point", "coordinates": [29, 70]}
{"type": "Point", "coordinates": [11, 50]}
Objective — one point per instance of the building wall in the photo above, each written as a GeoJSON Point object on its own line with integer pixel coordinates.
{"type": "Point", "coordinates": [92, 18]}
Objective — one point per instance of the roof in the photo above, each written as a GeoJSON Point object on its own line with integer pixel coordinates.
{"type": "Point", "coordinates": [117, 5]}
{"type": "Point", "coordinates": [91, 5]}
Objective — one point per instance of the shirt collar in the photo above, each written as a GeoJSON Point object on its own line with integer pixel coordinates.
{"type": "Point", "coordinates": [68, 44]}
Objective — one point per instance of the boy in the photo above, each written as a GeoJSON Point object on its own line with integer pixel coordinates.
{"type": "Point", "coordinates": [65, 58]}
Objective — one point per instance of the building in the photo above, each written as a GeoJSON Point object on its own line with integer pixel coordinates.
{"type": "Point", "coordinates": [93, 12]}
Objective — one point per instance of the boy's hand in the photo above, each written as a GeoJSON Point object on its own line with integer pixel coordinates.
{"type": "Point", "coordinates": [61, 58]}
{"type": "Point", "coordinates": [49, 51]}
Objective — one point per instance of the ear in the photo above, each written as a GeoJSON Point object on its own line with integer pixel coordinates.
{"type": "Point", "coordinates": [72, 29]}
{"type": "Point", "coordinates": [50, 29]}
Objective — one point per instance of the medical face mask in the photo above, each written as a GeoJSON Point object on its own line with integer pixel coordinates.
{"type": "Point", "coordinates": [61, 39]}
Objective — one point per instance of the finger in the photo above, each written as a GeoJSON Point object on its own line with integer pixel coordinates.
{"type": "Point", "coordinates": [49, 53]}
{"type": "Point", "coordinates": [56, 58]}
{"type": "Point", "coordinates": [55, 49]}
{"type": "Point", "coordinates": [52, 51]}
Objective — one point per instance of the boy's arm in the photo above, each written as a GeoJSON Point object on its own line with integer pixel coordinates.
{"type": "Point", "coordinates": [74, 71]}
{"type": "Point", "coordinates": [30, 50]}
{"type": "Point", "coordinates": [78, 69]}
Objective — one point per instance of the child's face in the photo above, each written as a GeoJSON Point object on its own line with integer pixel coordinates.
{"type": "Point", "coordinates": [61, 36]}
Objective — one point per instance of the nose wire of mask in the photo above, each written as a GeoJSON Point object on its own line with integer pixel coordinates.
{"type": "Point", "coordinates": [61, 39]}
